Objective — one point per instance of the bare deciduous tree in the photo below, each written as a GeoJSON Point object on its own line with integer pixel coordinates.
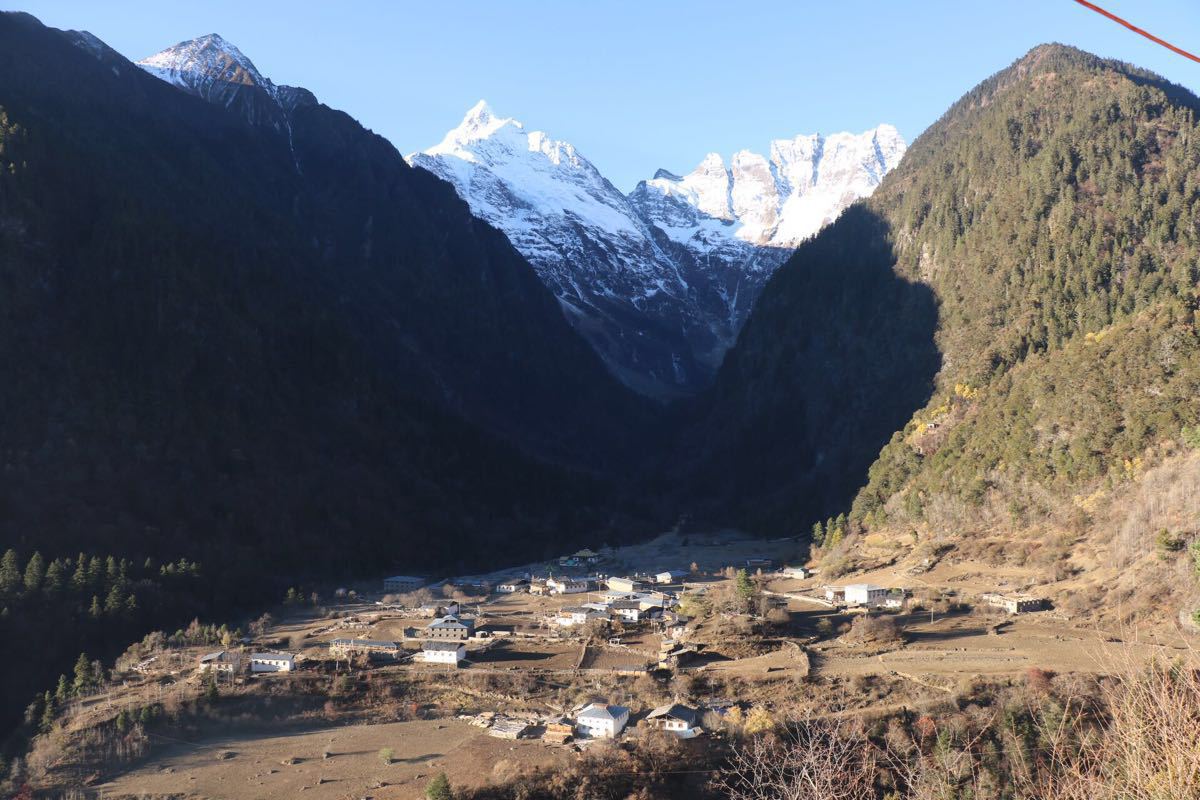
{"type": "Point", "coordinates": [811, 760]}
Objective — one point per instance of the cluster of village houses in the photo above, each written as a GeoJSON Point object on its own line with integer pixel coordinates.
{"type": "Point", "coordinates": [868, 596]}
{"type": "Point", "coordinates": [594, 721]}
{"type": "Point", "coordinates": [629, 600]}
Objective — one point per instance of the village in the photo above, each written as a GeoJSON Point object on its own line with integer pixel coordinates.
{"type": "Point", "coordinates": [690, 638]}
{"type": "Point", "coordinates": [576, 621]}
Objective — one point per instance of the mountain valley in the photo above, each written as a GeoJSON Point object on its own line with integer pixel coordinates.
{"type": "Point", "coordinates": [340, 471]}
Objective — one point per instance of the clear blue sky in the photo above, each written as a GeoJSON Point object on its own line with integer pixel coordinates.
{"type": "Point", "coordinates": [647, 83]}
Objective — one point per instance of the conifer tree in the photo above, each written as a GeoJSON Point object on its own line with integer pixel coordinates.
{"type": "Point", "coordinates": [48, 712]}
{"type": "Point", "coordinates": [115, 601]}
{"type": "Point", "coordinates": [52, 584]}
{"type": "Point", "coordinates": [83, 675]}
{"type": "Point", "coordinates": [79, 580]}
{"type": "Point", "coordinates": [63, 690]}
{"type": "Point", "coordinates": [10, 573]}
{"type": "Point", "coordinates": [439, 788]}
{"type": "Point", "coordinates": [95, 573]}
{"type": "Point", "coordinates": [745, 586]}
{"type": "Point", "coordinates": [35, 572]}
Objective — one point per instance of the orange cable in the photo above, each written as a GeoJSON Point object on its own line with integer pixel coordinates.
{"type": "Point", "coordinates": [1138, 30]}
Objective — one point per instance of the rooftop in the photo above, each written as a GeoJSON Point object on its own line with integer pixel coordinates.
{"type": "Point", "coordinates": [575, 610]}
{"type": "Point", "coordinates": [676, 710]}
{"type": "Point", "coordinates": [598, 711]}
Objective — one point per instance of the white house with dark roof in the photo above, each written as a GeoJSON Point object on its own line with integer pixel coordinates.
{"type": "Point", "coordinates": [569, 616]}
{"type": "Point", "coordinates": [599, 721]}
{"type": "Point", "coordinates": [675, 717]}
{"type": "Point", "coordinates": [272, 662]}
{"type": "Point", "coordinates": [438, 651]}
{"type": "Point", "coordinates": [562, 585]}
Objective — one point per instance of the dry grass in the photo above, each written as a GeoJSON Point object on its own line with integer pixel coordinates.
{"type": "Point", "coordinates": [1148, 748]}
{"type": "Point", "coordinates": [1135, 737]}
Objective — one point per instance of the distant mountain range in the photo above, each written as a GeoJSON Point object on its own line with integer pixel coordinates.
{"type": "Point", "coordinates": [659, 280]}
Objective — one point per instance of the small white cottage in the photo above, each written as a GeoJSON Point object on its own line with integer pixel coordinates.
{"type": "Point", "coordinates": [602, 721]}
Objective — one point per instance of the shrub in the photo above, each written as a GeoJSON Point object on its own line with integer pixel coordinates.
{"type": "Point", "coordinates": [439, 788]}
{"type": "Point", "coordinates": [1191, 436]}
{"type": "Point", "coordinates": [1038, 679]}
{"type": "Point", "coordinates": [1167, 543]}
{"type": "Point", "coordinates": [875, 629]}
{"type": "Point", "coordinates": [386, 755]}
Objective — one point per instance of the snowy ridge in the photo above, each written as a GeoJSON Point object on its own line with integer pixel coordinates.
{"type": "Point", "coordinates": [215, 70]}
{"type": "Point", "coordinates": [205, 66]}
{"type": "Point", "coordinates": [659, 281]}
{"type": "Point", "coordinates": [777, 200]}
{"type": "Point", "coordinates": [623, 291]}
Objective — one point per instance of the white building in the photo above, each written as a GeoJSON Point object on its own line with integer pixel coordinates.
{"type": "Point", "coordinates": [633, 611]}
{"type": "Point", "coordinates": [578, 615]}
{"type": "Point", "coordinates": [602, 721]}
{"type": "Point", "coordinates": [795, 572]}
{"type": "Point", "coordinates": [676, 718]}
{"type": "Point", "coordinates": [566, 585]}
{"type": "Point", "coordinates": [401, 584]}
{"type": "Point", "coordinates": [670, 576]}
{"type": "Point", "coordinates": [443, 652]}
{"type": "Point", "coordinates": [513, 586]}
{"type": "Point", "coordinates": [624, 584]}
{"type": "Point", "coordinates": [272, 662]}
{"type": "Point", "coordinates": [865, 594]}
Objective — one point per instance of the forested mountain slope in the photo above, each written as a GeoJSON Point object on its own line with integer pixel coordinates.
{"type": "Point", "coordinates": [251, 336]}
{"type": "Point", "coordinates": [1051, 219]}
{"type": "Point", "coordinates": [225, 339]}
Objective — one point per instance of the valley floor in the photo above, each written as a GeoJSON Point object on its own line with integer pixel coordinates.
{"type": "Point", "coordinates": [248, 767]}
{"type": "Point", "coordinates": [268, 735]}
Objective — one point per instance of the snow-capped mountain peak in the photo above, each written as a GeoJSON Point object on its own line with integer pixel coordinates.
{"type": "Point", "coordinates": [197, 64]}
{"type": "Point", "coordinates": [780, 199]}
{"type": "Point", "coordinates": [479, 123]}
{"type": "Point", "coordinates": [214, 70]}
{"type": "Point", "coordinates": [658, 281]}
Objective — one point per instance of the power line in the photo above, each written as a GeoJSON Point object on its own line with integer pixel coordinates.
{"type": "Point", "coordinates": [1138, 30]}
